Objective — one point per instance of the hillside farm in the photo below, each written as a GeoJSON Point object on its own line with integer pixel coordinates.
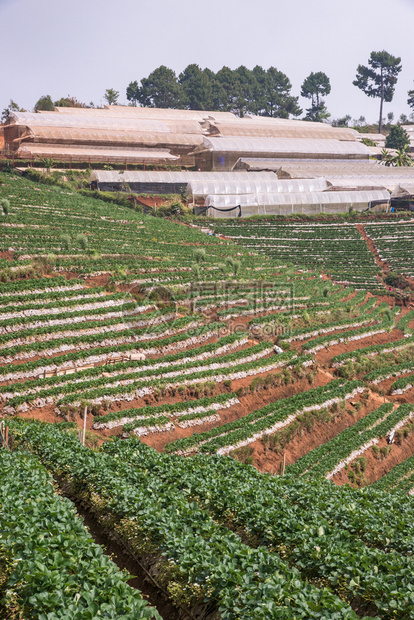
{"type": "Point", "coordinates": [204, 419]}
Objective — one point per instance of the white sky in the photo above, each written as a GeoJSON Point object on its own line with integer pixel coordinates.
{"type": "Point", "coordinates": [83, 47]}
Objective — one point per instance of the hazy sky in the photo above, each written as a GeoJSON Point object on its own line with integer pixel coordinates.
{"type": "Point", "coordinates": [83, 47]}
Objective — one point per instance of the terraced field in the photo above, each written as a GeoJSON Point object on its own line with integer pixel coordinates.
{"type": "Point", "coordinates": [194, 358]}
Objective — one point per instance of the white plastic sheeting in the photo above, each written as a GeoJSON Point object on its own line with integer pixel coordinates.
{"type": "Point", "coordinates": [167, 113]}
{"type": "Point", "coordinates": [98, 154]}
{"type": "Point", "coordinates": [104, 135]}
{"type": "Point", "coordinates": [297, 198]}
{"type": "Point", "coordinates": [112, 176]}
{"type": "Point", "coordinates": [283, 146]}
{"type": "Point", "coordinates": [389, 183]}
{"type": "Point", "coordinates": [253, 185]}
{"type": "Point", "coordinates": [247, 127]}
{"type": "Point", "coordinates": [103, 122]}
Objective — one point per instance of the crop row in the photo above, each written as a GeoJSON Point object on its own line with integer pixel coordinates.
{"type": "Point", "coordinates": [203, 561]}
{"type": "Point", "coordinates": [159, 371]}
{"type": "Point", "coordinates": [292, 519]}
{"type": "Point", "coordinates": [328, 458]}
{"type": "Point", "coordinates": [184, 330]}
{"type": "Point", "coordinates": [58, 571]}
{"type": "Point", "coordinates": [127, 417]}
{"type": "Point", "coordinates": [266, 420]}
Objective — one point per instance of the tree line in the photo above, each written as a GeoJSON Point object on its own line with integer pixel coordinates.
{"type": "Point", "coordinates": [259, 91]}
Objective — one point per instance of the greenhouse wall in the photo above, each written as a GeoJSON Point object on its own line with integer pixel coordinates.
{"type": "Point", "coordinates": [165, 182]}
{"type": "Point", "coordinates": [291, 203]}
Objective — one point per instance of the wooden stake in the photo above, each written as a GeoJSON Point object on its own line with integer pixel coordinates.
{"type": "Point", "coordinates": [85, 413]}
{"type": "Point", "coordinates": [6, 435]}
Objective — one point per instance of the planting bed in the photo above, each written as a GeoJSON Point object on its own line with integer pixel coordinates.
{"type": "Point", "coordinates": [194, 358]}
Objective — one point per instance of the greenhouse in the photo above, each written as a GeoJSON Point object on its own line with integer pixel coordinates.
{"type": "Point", "coordinates": [252, 128]}
{"type": "Point", "coordinates": [290, 203]}
{"type": "Point", "coordinates": [96, 154]}
{"type": "Point", "coordinates": [222, 153]}
{"type": "Point", "coordinates": [166, 182]}
{"type": "Point", "coordinates": [66, 135]}
{"type": "Point", "coordinates": [200, 189]}
{"type": "Point", "coordinates": [337, 171]}
{"type": "Point", "coordinates": [142, 125]}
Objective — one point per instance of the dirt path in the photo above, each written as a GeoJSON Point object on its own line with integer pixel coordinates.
{"type": "Point", "coordinates": [373, 248]}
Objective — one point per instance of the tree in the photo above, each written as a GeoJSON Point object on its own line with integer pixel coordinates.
{"type": "Point", "coordinates": [272, 94]}
{"type": "Point", "coordinates": [111, 96]}
{"type": "Point", "coordinates": [397, 138]}
{"type": "Point", "coordinates": [410, 99]}
{"type": "Point", "coordinates": [315, 86]}
{"type": "Point", "coordinates": [197, 88]}
{"type": "Point", "coordinates": [132, 92]}
{"type": "Point", "coordinates": [379, 78]}
{"type": "Point", "coordinates": [401, 158]}
{"type": "Point", "coordinates": [12, 107]}
{"type": "Point", "coordinates": [45, 103]}
{"type": "Point", "coordinates": [70, 102]}
{"type": "Point", "coordinates": [159, 90]}
{"type": "Point", "coordinates": [245, 84]}
{"type": "Point", "coordinates": [344, 121]}
{"type": "Point", "coordinates": [358, 122]}
{"type": "Point", "coordinates": [227, 89]}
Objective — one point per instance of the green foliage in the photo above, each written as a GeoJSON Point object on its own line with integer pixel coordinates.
{"type": "Point", "coordinates": [257, 91]}
{"type": "Point", "coordinates": [410, 99]}
{"type": "Point", "coordinates": [45, 103]}
{"type": "Point", "coordinates": [200, 254]}
{"type": "Point", "coordinates": [153, 515]}
{"type": "Point", "coordinates": [401, 158]}
{"type": "Point", "coordinates": [396, 280]}
{"type": "Point", "coordinates": [397, 138]}
{"type": "Point", "coordinates": [5, 205]}
{"type": "Point", "coordinates": [69, 102]}
{"type": "Point", "coordinates": [368, 142]}
{"type": "Point", "coordinates": [66, 241]}
{"type": "Point", "coordinates": [82, 240]}
{"type": "Point", "coordinates": [57, 569]}
{"type": "Point", "coordinates": [342, 122]}
{"type": "Point", "coordinates": [12, 107]}
{"type": "Point", "coordinates": [159, 90]}
{"type": "Point", "coordinates": [314, 87]}
{"type": "Point", "coordinates": [379, 78]}
{"type": "Point", "coordinates": [111, 96]}
{"type": "Point", "coordinates": [197, 88]}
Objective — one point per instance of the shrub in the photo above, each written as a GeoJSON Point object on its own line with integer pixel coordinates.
{"type": "Point", "coordinates": [200, 255]}
{"type": "Point", "coordinates": [82, 240]}
{"type": "Point", "coordinates": [66, 241]}
{"type": "Point", "coordinates": [396, 280]}
{"type": "Point", "coordinates": [397, 138]}
{"type": "Point", "coordinates": [5, 205]}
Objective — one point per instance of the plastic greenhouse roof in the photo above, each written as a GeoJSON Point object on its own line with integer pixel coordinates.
{"type": "Point", "coordinates": [319, 167]}
{"type": "Point", "coordinates": [254, 186]}
{"type": "Point", "coordinates": [271, 129]}
{"type": "Point", "coordinates": [283, 145]}
{"type": "Point", "coordinates": [146, 113]}
{"type": "Point", "coordinates": [166, 176]}
{"type": "Point", "coordinates": [97, 153]}
{"type": "Point", "coordinates": [32, 119]}
{"type": "Point", "coordinates": [168, 113]}
{"type": "Point", "coordinates": [300, 198]}
{"type": "Point", "coordinates": [389, 182]}
{"type": "Point", "coordinates": [290, 121]}
{"type": "Point", "coordinates": [108, 135]}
